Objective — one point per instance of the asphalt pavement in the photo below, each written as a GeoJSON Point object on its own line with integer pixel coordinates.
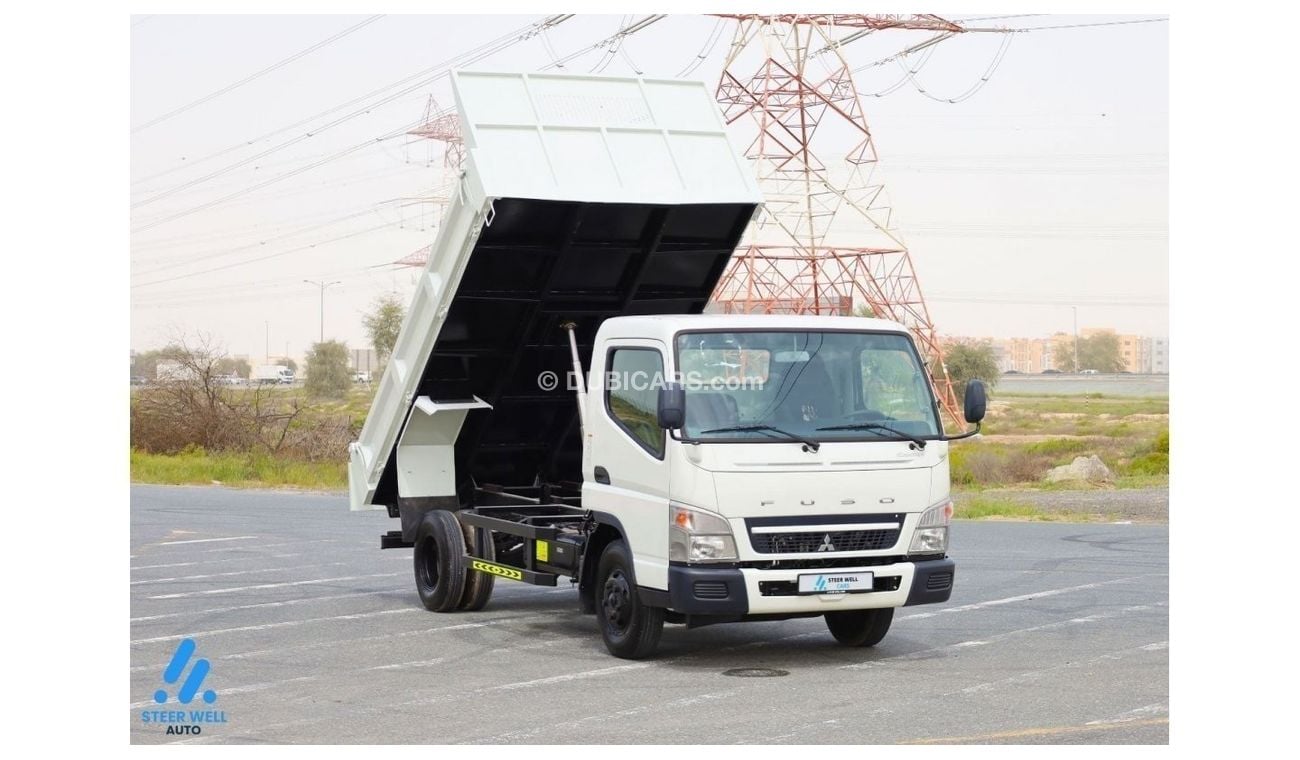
{"type": "Point", "coordinates": [1056, 633]}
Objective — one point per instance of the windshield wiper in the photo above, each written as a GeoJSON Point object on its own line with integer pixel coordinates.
{"type": "Point", "coordinates": [920, 444]}
{"type": "Point", "coordinates": [809, 443]}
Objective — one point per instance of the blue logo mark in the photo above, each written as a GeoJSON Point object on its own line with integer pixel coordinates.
{"type": "Point", "coordinates": [172, 674]}
{"type": "Point", "coordinates": [821, 583]}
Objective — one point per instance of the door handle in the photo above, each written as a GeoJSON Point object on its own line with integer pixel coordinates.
{"type": "Point", "coordinates": [602, 475]}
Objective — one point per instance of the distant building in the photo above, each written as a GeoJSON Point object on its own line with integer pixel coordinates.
{"type": "Point", "coordinates": [1027, 355]}
{"type": "Point", "coordinates": [1138, 354]}
{"type": "Point", "coordinates": [1155, 356]}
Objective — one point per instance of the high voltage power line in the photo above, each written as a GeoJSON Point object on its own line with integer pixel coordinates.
{"type": "Point", "coordinates": [256, 75]}
{"type": "Point", "coordinates": [613, 47]}
{"type": "Point", "coordinates": [423, 77]}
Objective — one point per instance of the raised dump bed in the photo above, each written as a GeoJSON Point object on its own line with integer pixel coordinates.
{"type": "Point", "coordinates": [582, 198]}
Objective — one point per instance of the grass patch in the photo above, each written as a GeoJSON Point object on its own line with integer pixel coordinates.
{"type": "Point", "coordinates": [995, 508]}
{"type": "Point", "coordinates": [982, 507]}
{"type": "Point", "coordinates": [1057, 447]}
{"type": "Point", "coordinates": [1025, 436]}
{"type": "Point", "coordinates": [1093, 403]}
{"type": "Point", "coordinates": [196, 466]}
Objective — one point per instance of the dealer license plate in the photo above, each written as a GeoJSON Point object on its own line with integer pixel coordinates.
{"type": "Point", "coordinates": [835, 583]}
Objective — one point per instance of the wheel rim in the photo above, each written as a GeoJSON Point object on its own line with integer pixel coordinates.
{"type": "Point", "coordinates": [616, 601]}
{"type": "Point", "coordinates": [427, 565]}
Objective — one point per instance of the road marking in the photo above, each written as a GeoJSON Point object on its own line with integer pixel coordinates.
{"type": "Point", "coordinates": [1019, 598]}
{"type": "Point", "coordinates": [567, 726]}
{"type": "Point", "coordinates": [280, 624]}
{"type": "Point", "coordinates": [1132, 716]}
{"type": "Point", "coordinates": [285, 603]}
{"type": "Point", "coordinates": [273, 684]}
{"type": "Point", "coordinates": [227, 575]}
{"type": "Point", "coordinates": [237, 690]}
{"type": "Point", "coordinates": [342, 642]}
{"type": "Point", "coordinates": [563, 678]}
{"type": "Point", "coordinates": [583, 675]}
{"type": "Point", "coordinates": [274, 546]}
{"type": "Point", "coordinates": [412, 664]}
{"type": "Point", "coordinates": [579, 676]}
{"type": "Point", "coordinates": [272, 585]}
{"type": "Point", "coordinates": [1034, 675]}
{"type": "Point", "coordinates": [204, 540]}
{"type": "Point", "coordinates": [1028, 732]}
{"type": "Point", "coordinates": [1004, 635]}
{"type": "Point", "coordinates": [203, 562]}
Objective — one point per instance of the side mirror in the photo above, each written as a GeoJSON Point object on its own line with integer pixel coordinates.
{"type": "Point", "coordinates": [976, 401]}
{"type": "Point", "coordinates": [672, 406]}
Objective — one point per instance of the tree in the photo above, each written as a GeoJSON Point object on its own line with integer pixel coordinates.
{"type": "Point", "coordinates": [192, 407]}
{"type": "Point", "coordinates": [864, 310]}
{"type": "Point", "coordinates": [327, 370]}
{"type": "Point", "coordinates": [1098, 352]}
{"type": "Point", "coordinates": [969, 360]}
{"type": "Point", "coordinates": [382, 325]}
{"type": "Point", "coordinates": [228, 366]}
{"type": "Point", "coordinates": [1101, 352]}
{"type": "Point", "coordinates": [1063, 356]}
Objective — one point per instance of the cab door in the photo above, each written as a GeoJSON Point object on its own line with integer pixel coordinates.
{"type": "Point", "coordinates": [626, 472]}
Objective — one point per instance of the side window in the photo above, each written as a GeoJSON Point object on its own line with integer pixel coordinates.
{"type": "Point", "coordinates": [632, 392]}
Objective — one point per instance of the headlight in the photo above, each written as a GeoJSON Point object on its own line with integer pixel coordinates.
{"type": "Point", "coordinates": [695, 536]}
{"type": "Point", "coordinates": [931, 534]}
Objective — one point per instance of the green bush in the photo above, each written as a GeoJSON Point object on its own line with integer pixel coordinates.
{"type": "Point", "coordinates": [1155, 463]}
{"type": "Point", "coordinates": [327, 370]}
{"type": "Point", "coordinates": [1058, 447]}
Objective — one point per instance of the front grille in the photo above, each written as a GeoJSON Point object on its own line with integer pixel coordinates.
{"type": "Point", "coordinates": [812, 543]}
{"type": "Point", "coordinates": [938, 581]}
{"type": "Point", "coordinates": [818, 562]}
{"type": "Point", "coordinates": [710, 590]}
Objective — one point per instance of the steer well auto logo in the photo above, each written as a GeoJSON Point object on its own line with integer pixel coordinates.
{"type": "Point", "coordinates": [185, 721]}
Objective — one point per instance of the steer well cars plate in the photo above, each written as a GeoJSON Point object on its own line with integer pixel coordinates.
{"type": "Point", "coordinates": [836, 583]}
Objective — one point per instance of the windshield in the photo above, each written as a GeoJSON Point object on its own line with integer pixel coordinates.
{"type": "Point", "coordinates": [801, 383]}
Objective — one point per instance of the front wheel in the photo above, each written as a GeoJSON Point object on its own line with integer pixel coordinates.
{"type": "Point", "coordinates": [860, 628]}
{"type": "Point", "coordinates": [630, 629]}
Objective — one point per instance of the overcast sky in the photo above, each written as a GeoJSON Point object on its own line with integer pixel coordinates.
{"type": "Point", "coordinates": [1044, 190]}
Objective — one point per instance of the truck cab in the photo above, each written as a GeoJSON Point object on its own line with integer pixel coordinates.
{"type": "Point", "coordinates": [806, 475]}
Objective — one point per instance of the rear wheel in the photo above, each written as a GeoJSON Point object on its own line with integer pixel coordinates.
{"type": "Point", "coordinates": [860, 628]}
{"type": "Point", "coordinates": [440, 561]}
{"type": "Point", "coordinates": [478, 586]}
{"type": "Point", "coordinates": [630, 629]}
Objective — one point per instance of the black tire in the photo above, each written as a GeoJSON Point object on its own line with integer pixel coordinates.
{"type": "Point", "coordinates": [630, 629]}
{"type": "Point", "coordinates": [478, 586]}
{"type": "Point", "coordinates": [440, 561]}
{"type": "Point", "coordinates": [860, 628]}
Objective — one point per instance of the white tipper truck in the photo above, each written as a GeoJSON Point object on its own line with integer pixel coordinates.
{"type": "Point", "coordinates": [271, 374]}
{"type": "Point", "coordinates": [557, 406]}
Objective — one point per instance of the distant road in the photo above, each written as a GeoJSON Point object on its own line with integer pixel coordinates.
{"type": "Point", "coordinates": [1111, 385]}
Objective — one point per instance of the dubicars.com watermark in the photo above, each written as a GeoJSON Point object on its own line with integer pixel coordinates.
{"type": "Point", "coordinates": [653, 381]}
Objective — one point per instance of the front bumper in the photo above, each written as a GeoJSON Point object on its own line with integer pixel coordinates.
{"type": "Point", "coordinates": [739, 592]}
